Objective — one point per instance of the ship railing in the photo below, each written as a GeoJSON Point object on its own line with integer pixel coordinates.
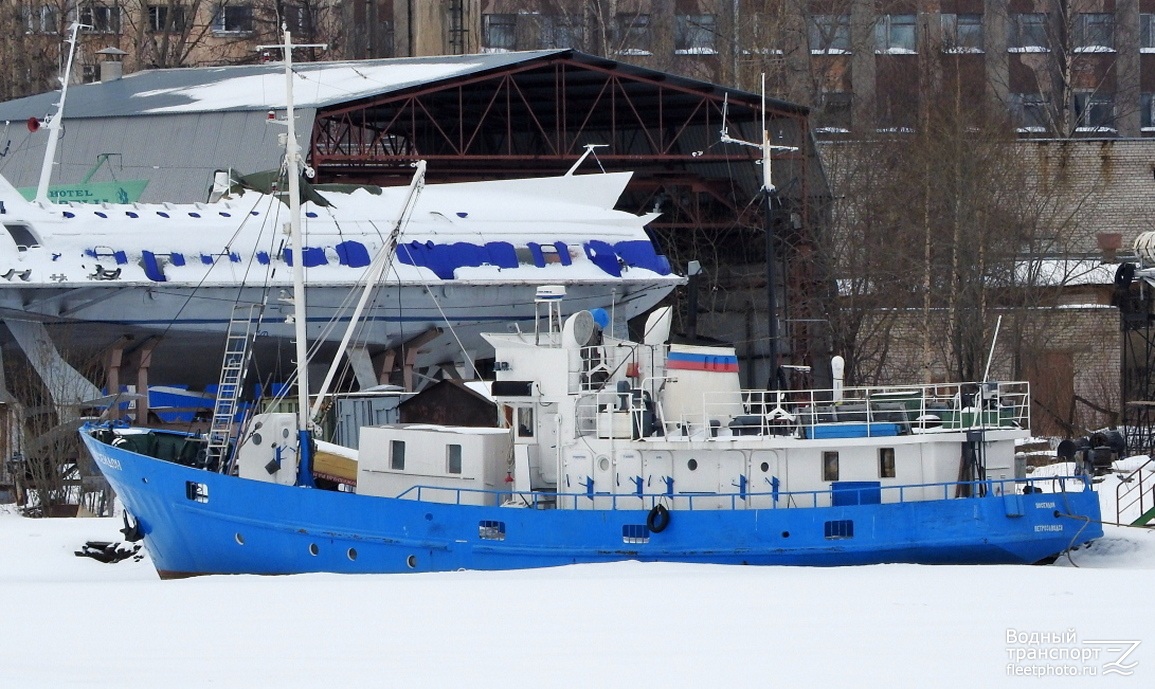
{"type": "Point", "coordinates": [845, 496]}
{"type": "Point", "coordinates": [1136, 493]}
{"type": "Point", "coordinates": [625, 412]}
{"type": "Point", "coordinates": [866, 411]}
{"type": "Point", "coordinates": [601, 366]}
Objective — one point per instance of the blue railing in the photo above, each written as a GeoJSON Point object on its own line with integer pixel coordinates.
{"type": "Point", "coordinates": [950, 490]}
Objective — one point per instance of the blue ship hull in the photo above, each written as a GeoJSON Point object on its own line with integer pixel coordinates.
{"type": "Point", "coordinates": [201, 522]}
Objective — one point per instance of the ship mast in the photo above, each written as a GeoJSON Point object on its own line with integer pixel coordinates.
{"type": "Point", "coordinates": [55, 122]}
{"type": "Point", "coordinates": [770, 197]}
{"type": "Point", "coordinates": [293, 169]}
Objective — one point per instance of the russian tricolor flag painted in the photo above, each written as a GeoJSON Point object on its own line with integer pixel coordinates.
{"type": "Point", "coordinates": [686, 361]}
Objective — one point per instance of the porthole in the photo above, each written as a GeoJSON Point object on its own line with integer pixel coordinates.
{"type": "Point", "coordinates": [692, 464]}
{"type": "Point", "coordinates": [785, 534]}
{"type": "Point", "coordinates": [765, 467]}
{"type": "Point", "coordinates": [313, 549]}
{"type": "Point", "coordinates": [194, 215]}
{"type": "Point", "coordinates": [285, 433]}
{"type": "Point", "coordinates": [239, 539]}
{"type": "Point", "coordinates": [257, 439]}
{"type": "Point", "coordinates": [162, 214]}
{"type": "Point", "coordinates": [411, 561]}
{"type": "Point", "coordinates": [604, 463]}
{"type": "Point", "coordinates": [352, 553]}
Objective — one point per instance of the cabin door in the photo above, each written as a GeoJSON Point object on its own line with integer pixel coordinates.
{"type": "Point", "coordinates": [767, 478]}
{"type": "Point", "coordinates": [657, 475]}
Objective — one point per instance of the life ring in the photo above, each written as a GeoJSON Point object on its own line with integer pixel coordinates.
{"type": "Point", "coordinates": [658, 519]}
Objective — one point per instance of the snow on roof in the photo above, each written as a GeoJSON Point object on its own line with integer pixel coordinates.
{"type": "Point", "coordinates": [255, 87]}
{"type": "Point", "coordinates": [1056, 272]}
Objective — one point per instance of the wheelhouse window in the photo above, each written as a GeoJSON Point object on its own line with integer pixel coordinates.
{"type": "Point", "coordinates": [830, 466]}
{"type": "Point", "coordinates": [453, 459]}
{"type": "Point", "coordinates": [397, 455]}
{"type": "Point", "coordinates": [1029, 33]}
{"type": "Point", "coordinates": [525, 422]}
{"type": "Point", "coordinates": [895, 33]}
{"type": "Point", "coordinates": [233, 18]}
{"type": "Point", "coordinates": [886, 467]}
{"type": "Point", "coordinates": [1095, 32]}
{"type": "Point", "coordinates": [100, 18]}
{"type": "Point", "coordinates": [23, 235]}
{"type": "Point", "coordinates": [962, 33]}
{"type": "Point", "coordinates": [499, 32]}
{"type": "Point", "coordinates": [695, 34]}
{"type": "Point", "coordinates": [829, 33]}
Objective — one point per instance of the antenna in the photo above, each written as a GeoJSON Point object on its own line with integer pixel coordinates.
{"type": "Point", "coordinates": [766, 147]}
{"type": "Point", "coordinates": [768, 192]}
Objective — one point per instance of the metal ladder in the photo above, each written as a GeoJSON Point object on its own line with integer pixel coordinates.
{"type": "Point", "coordinates": [234, 367]}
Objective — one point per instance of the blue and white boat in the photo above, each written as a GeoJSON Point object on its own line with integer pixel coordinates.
{"type": "Point", "coordinates": [615, 450]}
{"type": "Point", "coordinates": [605, 449]}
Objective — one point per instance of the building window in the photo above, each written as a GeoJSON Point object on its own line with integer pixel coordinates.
{"type": "Point", "coordinates": [561, 32]}
{"type": "Point", "coordinates": [397, 455]}
{"type": "Point", "coordinates": [1094, 32]}
{"type": "Point", "coordinates": [297, 18]}
{"type": "Point", "coordinates": [498, 32]}
{"type": "Point", "coordinates": [1147, 33]}
{"type": "Point", "coordinates": [830, 33]}
{"type": "Point", "coordinates": [100, 18]}
{"type": "Point", "coordinates": [695, 34]}
{"type": "Point", "coordinates": [834, 112]}
{"type": "Point", "coordinates": [233, 19]}
{"type": "Point", "coordinates": [962, 33]}
{"type": "Point", "coordinates": [895, 33]}
{"type": "Point", "coordinates": [1094, 112]}
{"type": "Point", "coordinates": [633, 34]}
{"type": "Point", "coordinates": [1147, 113]}
{"type": "Point", "coordinates": [166, 18]}
{"type": "Point", "coordinates": [1029, 33]}
{"type": "Point", "coordinates": [830, 466]}
{"type": "Point", "coordinates": [886, 462]}
{"type": "Point", "coordinates": [1031, 112]}
{"type": "Point", "coordinates": [40, 19]}
{"type": "Point", "coordinates": [89, 73]}
{"type": "Point", "coordinates": [453, 459]}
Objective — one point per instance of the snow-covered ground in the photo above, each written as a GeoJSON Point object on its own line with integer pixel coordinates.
{"type": "Point", "coordinates": [74, 622]}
